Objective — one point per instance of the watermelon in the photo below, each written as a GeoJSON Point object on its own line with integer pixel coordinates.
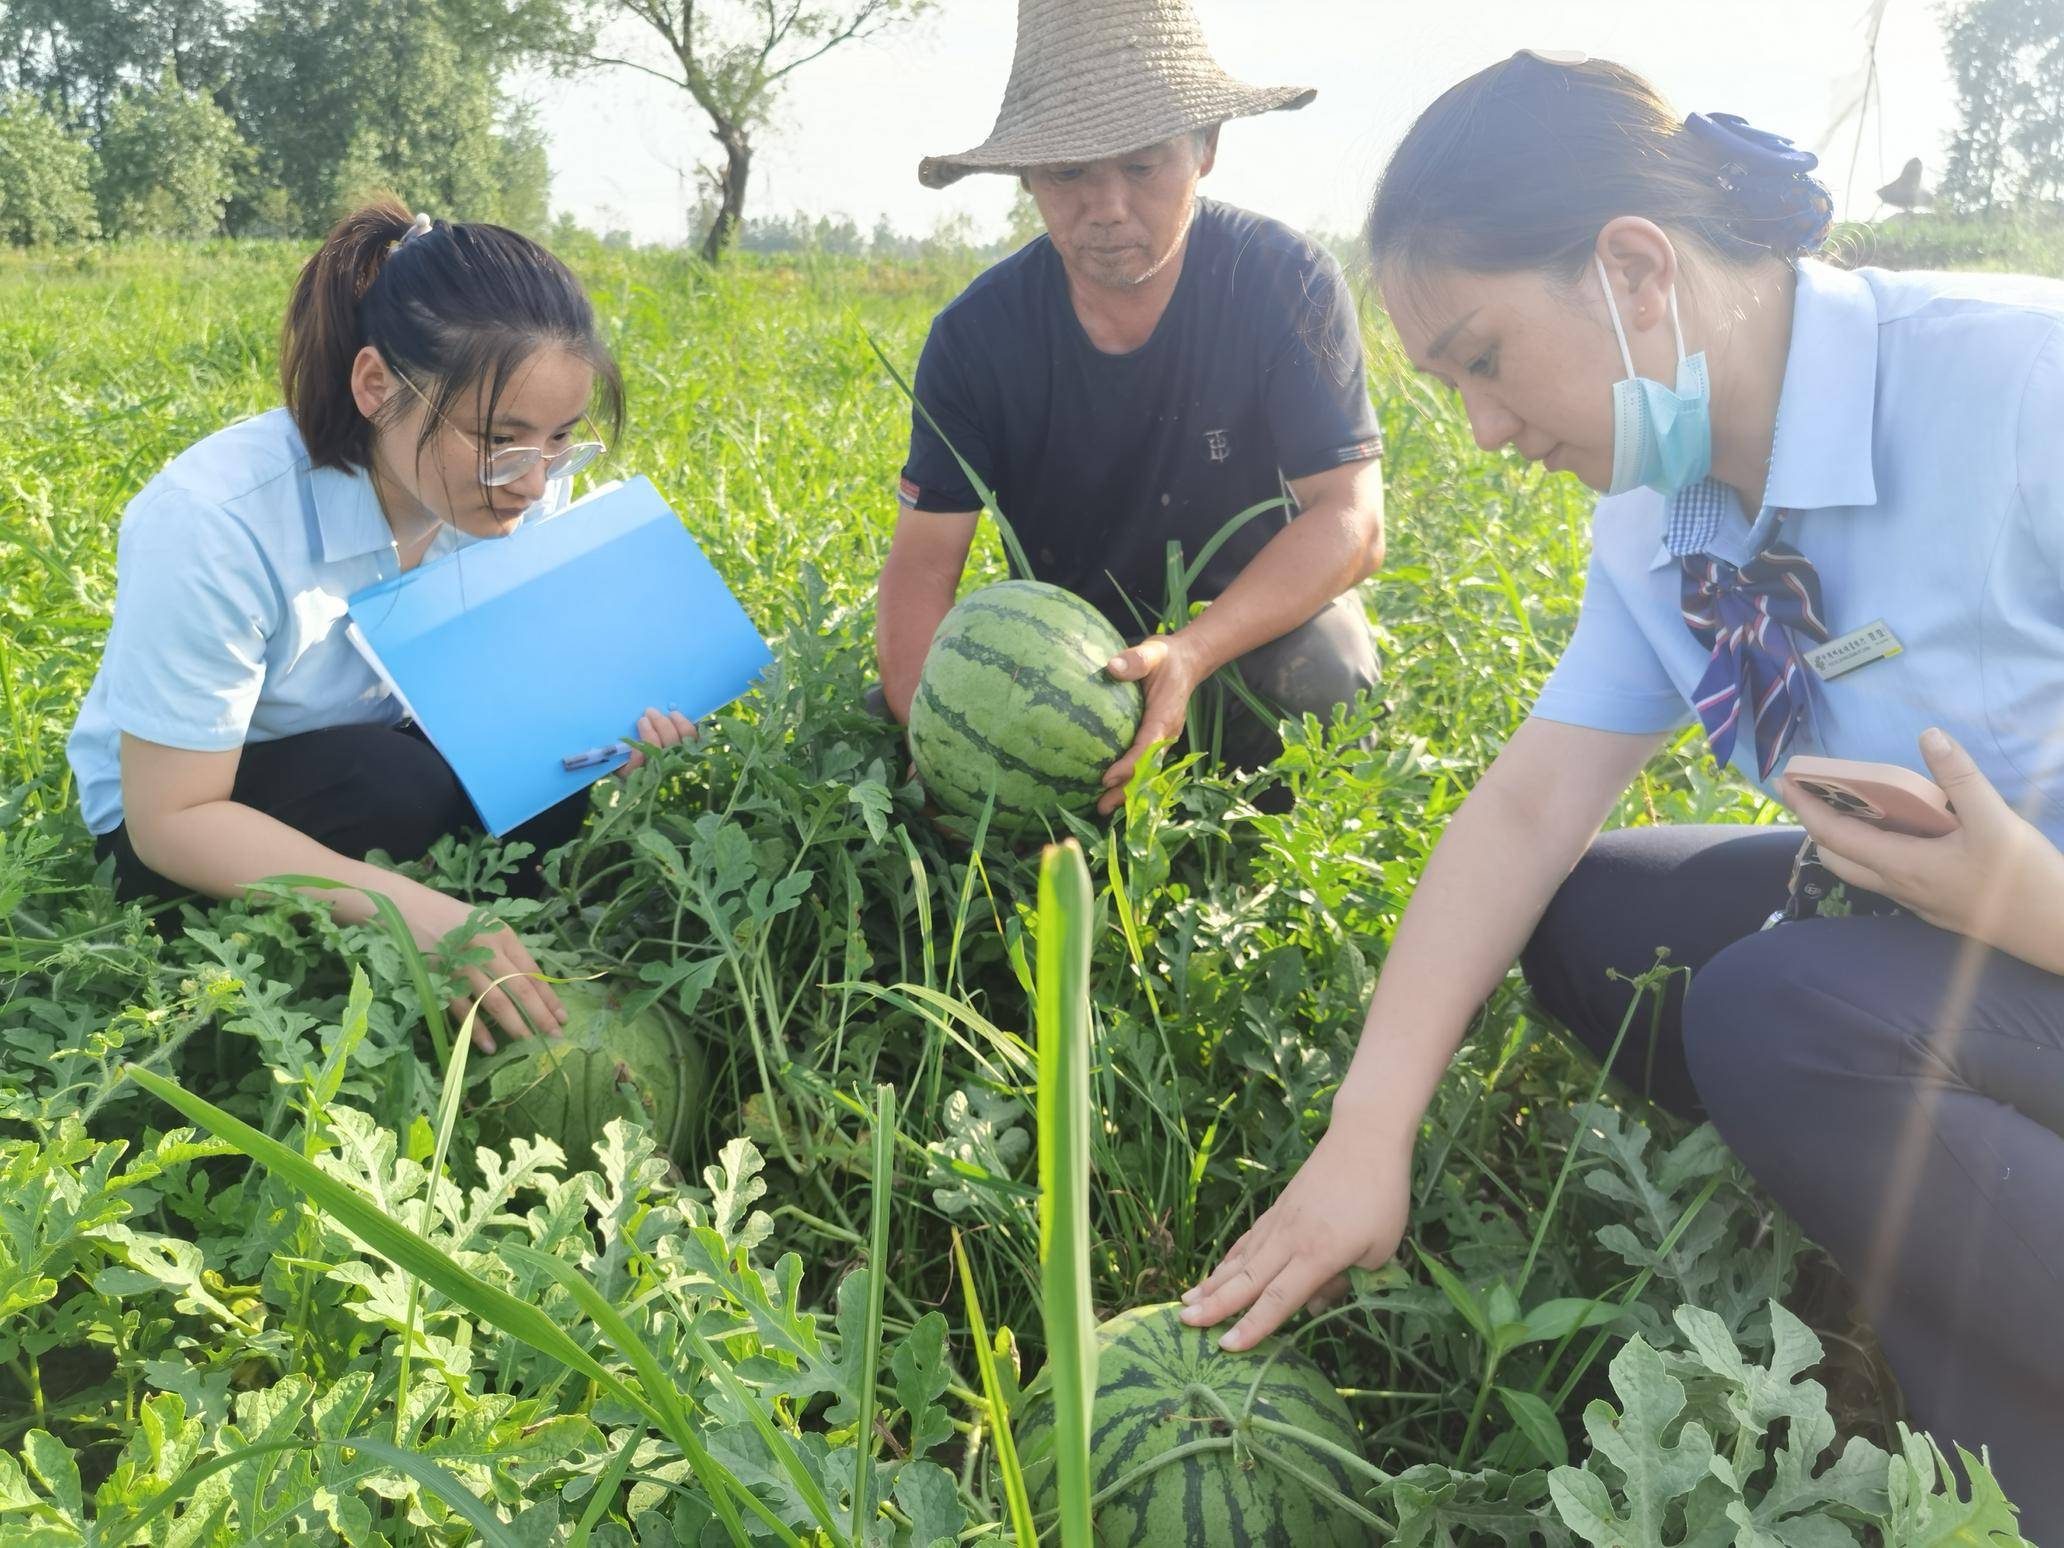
{"type": "Point", "coordinates": [607, 1065]}
{"type": "Point", "coordinates": [1153, 1372]}
{"type": "Point", "coordinates": [1013, 697]}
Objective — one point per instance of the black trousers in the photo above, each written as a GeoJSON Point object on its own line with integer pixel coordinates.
{"type": "Point", "coordinates": [355, 789]}
{"type": "Point", "coordinates": [1323, 662]}
{"type": "Point", "coordinates": [1898, 1089]}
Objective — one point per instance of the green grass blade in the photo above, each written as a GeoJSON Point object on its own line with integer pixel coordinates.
{"type": "Point", "coordinates": [1065, 913]}
{"type": "Point", "coordinates": [1218, 539]}
{"type": "Point", "coordinates": [718, 1482]}
{"type": "Point", "coordinates": [489, 1527]}
{"type": "Point", "coordinates": [778, 1444]}
{"type": "Point", "coordinates": [426, 1221]}
{"type": "Point", "coordinates": [604, 1491]}
{"type": "Point", "coordinates": [1014, 1494]}
{"type": "Point", "coordinates": [351, 1210]}
{"type": "Point", "coordinates": [884, 1182]}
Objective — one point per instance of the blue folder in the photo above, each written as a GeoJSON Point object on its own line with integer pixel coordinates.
{"type": "Point", "coordinates": [514, 653]}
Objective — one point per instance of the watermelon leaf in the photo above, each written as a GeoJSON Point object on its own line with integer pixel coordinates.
{"type": "Point", "coordinates": [919, 1366]}
{"type": "Point", "coordinates": [1927, 1509]}
{"type": "Point", "coordinates": [1657, 1474]}
{"type": "Point", "coordinates": [927, 1495]}
{"type": "Point", "coordinates": [1437, 1507]}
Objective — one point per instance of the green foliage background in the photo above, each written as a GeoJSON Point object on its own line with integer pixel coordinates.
{"type": "Point", "coordinates": [1578, 1343]}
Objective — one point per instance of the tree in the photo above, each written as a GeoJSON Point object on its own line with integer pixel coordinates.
{"type": "Point", "coordinates": [80, 54]}
{"type": "Point", "coordinates": [169, 161]}
{"type": "Point", "coordinates": [346, 97]}
{"type": "Point", "coordinates": [46, 177]}
{"type": "Point", "coordinates": [732, 57]}
{"type": "Point", "coordinates": [2008, 58]}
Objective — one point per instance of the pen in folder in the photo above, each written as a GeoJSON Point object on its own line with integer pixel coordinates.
{"type": "Point", "coordinates": [593, 756]}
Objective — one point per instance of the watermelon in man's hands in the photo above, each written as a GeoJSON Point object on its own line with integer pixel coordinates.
{"type": "Point", "coordinates": [1014, 697]}
{"type": "Point", "coordinates": [1163, 1385]}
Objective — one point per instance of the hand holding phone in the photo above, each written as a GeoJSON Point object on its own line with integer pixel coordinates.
{"type": "Point", "coordinates": [1882, 794]}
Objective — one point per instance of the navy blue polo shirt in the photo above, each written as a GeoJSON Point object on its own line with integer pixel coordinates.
{"type": "Point", "coordinates": [1253, 376]}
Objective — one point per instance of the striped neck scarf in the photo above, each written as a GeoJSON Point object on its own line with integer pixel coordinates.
{"type": "Point", "coordinates": [1746, 616]}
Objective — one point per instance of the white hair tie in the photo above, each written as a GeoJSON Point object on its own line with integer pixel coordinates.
{"type": "Point", "coordinates": [420, 226]}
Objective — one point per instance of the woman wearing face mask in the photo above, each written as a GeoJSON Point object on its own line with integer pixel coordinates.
{"type": "Point", "coordinates": [1822, 452]}
{"type": "Point", "coordinates": [437, 379]}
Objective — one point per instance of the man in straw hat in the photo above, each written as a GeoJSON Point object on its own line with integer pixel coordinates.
{"type": "Point", "coordinates": [1152, 366]}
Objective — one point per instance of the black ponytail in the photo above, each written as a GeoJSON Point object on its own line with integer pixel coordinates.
{"type": "Point", "coordinates": [453, 306]}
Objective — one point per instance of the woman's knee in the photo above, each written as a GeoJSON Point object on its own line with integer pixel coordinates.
{"type": "Point", "coordinates": [1762, 1028]}
{"type": "Point", "coordinates": [1575, 946]}
{"type": "Point", "coordinates": [1595, 938]}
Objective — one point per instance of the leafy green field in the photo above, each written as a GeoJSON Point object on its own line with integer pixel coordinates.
{"type": "Point", "coordinates": [195, 1349]}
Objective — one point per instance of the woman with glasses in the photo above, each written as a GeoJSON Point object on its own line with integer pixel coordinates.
{"type": "Point", "coordinates": [437, 379]}
{"type": "Point", "coordinates": [1833, 523]}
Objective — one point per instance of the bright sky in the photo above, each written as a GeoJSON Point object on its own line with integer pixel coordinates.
{"type": "Point", "coordinates": [624, 146]}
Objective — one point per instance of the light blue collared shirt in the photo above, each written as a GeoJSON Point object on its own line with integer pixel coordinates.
{"type": "Point", "coordinates": [232, 570]}
{"type": "Point", "coordinates": [1920, 450]}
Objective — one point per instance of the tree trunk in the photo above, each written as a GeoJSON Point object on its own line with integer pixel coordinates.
{"type": "Point", "coordinates": [730, 190]}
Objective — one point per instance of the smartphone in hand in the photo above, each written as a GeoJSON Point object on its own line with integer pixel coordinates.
{"type": "Point", "coordinates": [1882, 794]}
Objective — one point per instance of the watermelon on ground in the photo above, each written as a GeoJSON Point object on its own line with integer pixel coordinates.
{"type": "Point", "coordinates": [1014, 698]}
{"type": "Point", "coordinates": [1161, 1385]}
{"type": "Point", "coordinates": [606, 1065]}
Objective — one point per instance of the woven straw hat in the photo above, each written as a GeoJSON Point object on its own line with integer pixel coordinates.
{"type": "Point", "coordinates": [1097, 78]}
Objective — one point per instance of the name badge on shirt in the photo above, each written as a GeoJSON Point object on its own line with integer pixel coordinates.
{"type": "Point", "coordinates": [1873, 642]}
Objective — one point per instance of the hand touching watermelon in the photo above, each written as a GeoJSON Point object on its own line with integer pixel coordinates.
{"type": "Point", "coordinates": [1169, 667]}
{"type": "Point", "coordinates": [1015, 699]}
{"type": "Point", "coordinates": [1346, 1208]}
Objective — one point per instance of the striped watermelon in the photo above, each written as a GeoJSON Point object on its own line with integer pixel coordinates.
{"type": "Point", "coordinates": [1014, 697]}
{"type": "Point", "coordinates": [1152, 1372]}
{"type": "Point", "coordinates": [607, 1065]}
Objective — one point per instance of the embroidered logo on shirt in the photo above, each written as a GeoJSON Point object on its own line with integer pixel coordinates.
{"type": "Point", "coordinates": [1219, 443]}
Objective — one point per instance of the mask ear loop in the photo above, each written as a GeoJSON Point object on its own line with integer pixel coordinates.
{"type": "Point", "coordinates": [1612, 310]}
{"type": "Point", "coordinates": [1620, 333]}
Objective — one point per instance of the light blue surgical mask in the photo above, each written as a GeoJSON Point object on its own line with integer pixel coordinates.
{"type": "Point", "coordinates": [1662, 439]}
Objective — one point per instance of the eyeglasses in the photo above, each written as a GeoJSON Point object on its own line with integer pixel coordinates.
{"type": "Point", "coordinates": [506, 464]}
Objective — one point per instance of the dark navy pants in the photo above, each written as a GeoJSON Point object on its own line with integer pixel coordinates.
{"type": "Point", "coordinates": [356, 789]}
{"type": "Point", "coordinates": [1898, 1089]}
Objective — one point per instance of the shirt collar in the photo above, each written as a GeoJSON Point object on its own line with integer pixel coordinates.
{"type": "Point", "coordinates": [1821, 455]}
{"type": "Point", "coordinates": [348, 515]}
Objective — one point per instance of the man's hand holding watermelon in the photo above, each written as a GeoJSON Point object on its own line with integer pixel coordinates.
{"type": "Point", "coordinates": [1168, 668]}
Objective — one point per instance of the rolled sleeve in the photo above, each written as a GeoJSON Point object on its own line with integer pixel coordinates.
{"type": "Point", "coordinates": [195, 605]}
{"type": "Point", "coordinates": [1317, 392]}
{"type": "Point", "coordinates": [933, 479]}
{"type": "Point", "coordinates": [1610, 677]}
